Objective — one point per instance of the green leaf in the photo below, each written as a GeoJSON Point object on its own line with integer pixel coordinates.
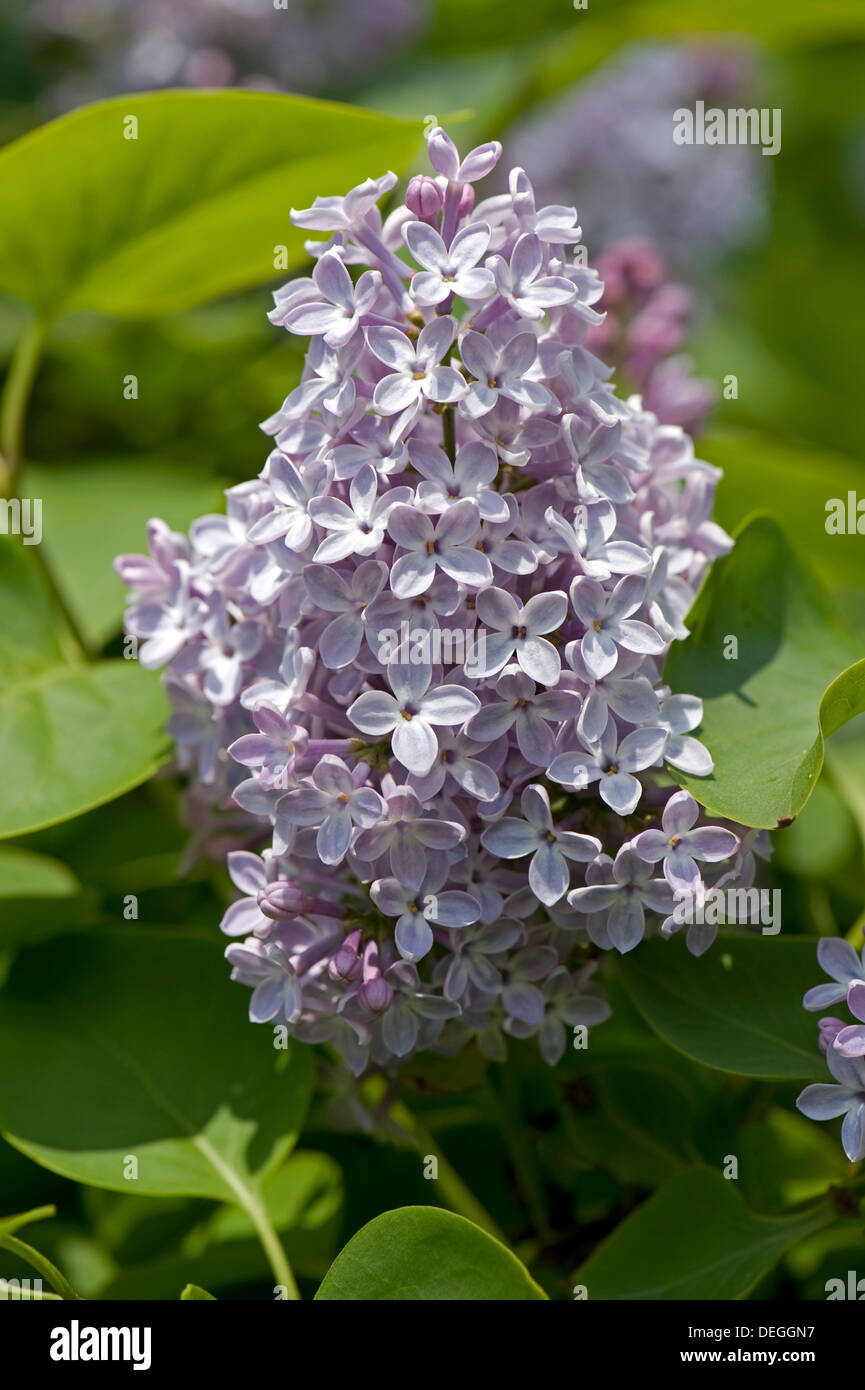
{"type": "Point", "coordinates": [425, 1254]}
{"type": "Point", "coordinates": [304, 1202]}
{"type": "Point", "coordinates": [191, 209]}
{"type": "Point", "coordinates": [95, 511]}
{"type": "Point", "coordinates": [762, 473]}
{"type": "Point", "coordinates": [694, 1238]}
{"type": "Point", "coordinates": [24, 874]}
{"type": "Point", "coordinates": [642, 1130]}
{"type": "Point", "coordinates": [193, 1293]}
{"type": "Point", "coordinates": [785, 1159]}
{"type": "Point", "coordinates": [135, 1045]}
{"type": "Point", "coordinates": [40, 897]}
{"type": "Point", "coordinates": [767, 709]}
{"type": "Point", "coordinates": [737, 1008]}
{"type": "Point", "coordinates": [72, 736]}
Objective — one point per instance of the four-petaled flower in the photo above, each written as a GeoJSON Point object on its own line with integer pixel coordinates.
{"type": "Point", "coordinates": [501, 373]}
{"type": "Point", "coordinates": [517, 629]}
{"type": "Point", "coordinates": [445, 545]}
{"type": "Point", "coordinates": [609, 625]}
{"type": "Point", "coordinates": [527, 291]}
{"type": "Point", "coordinates": [449, 270]}
{"type": "Point", "coordinates": [337, 315]}
{"type": "Point", "coordinates": [612, 764]}
{"type": "Point", "coordinates": [411, 713]}
{"type": "Point", "coordinates": [334, 804]}
{"type": "Point", "coordinates": [511, 838]}
{"type": "Point", "coordinates": [680, 845]}
{"type": "Point", "coordinates": [469, 476]}
{"type": "Point", "coordinates": [624, 899]}
{"type": "Point", "coordinates": [416, 370]}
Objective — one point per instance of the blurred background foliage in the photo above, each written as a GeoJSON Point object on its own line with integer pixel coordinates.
{"type": "Point", "coordinates": [772, 250]}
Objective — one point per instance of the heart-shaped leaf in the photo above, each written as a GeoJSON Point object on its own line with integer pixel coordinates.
{"type": "Point", "coordinates": [426, 1254]}
{"type": "Point", "coordinates": [137, 1069]}
{"type": "Point", "coordinates": [150, 203]}
{"type": "Point", "coordinates": [777, 672]}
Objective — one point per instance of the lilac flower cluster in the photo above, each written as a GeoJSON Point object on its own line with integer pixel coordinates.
{"type": "Point", "coordinates": [609, 144]}
{"type": "Point", "coordinates": [646, 318]}
{"type": "Point", "coordinates": [422, 650]}
{"type": "Point", "coordinates": [842, 1044]}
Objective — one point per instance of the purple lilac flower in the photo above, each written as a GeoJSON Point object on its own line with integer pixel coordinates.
{"type": "Point", "coordinates": [512, 838]}
{"type": "Point", "coordinates": [679, 845]}
{"type": "Point", "coordinates": [365, 656]}
{"type": "Point", "coordinates": [847, 1098]}
{"type": "Point", "coordinates": [625, 898]}
{"type": "Point", "coordinates": [843, 964]}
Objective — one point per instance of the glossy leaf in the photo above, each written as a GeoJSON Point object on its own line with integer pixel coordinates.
{"type": "Point", "coordinates": [693, 1239]}
{"type": "Point", "coordinates": [426, 1254]}
{"type": "Point", "coordinates": [136, 1069]}
{"type": "Point", "coordinates": [736, 1008]}
{"type": "Point", "coordinates": [150, 203]}
{"type": "Point", "coordinates": [794, 677]}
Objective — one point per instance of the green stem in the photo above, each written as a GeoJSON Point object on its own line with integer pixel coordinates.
{"type": "Point", "coordinates": [456, 1194]}
{"type": "Point", "coordinates": [16, 393]}
{"type": "Point", "coordinates": [13, 410]}
{"type": "Point", "coordinates": [272, 1246]}
{"type": "Point", "coordinates": [449, 432]}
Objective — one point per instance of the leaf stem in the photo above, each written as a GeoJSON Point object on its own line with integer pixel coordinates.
{"type": "Point", "coordinates": [458, 1197]}
{"type": "Point", "coordinates": [273, 1248]}
{"type": "Point", "coordinates": [16, 394]}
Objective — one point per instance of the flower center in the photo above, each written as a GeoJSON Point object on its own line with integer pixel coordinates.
{"type": "Point", "coordinates": [597, 624]}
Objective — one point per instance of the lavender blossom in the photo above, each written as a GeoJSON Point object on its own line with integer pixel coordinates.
{"type": "Point", "coordinates": [451, 585]}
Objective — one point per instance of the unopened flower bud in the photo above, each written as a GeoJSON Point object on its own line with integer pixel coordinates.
{"type": "Point", "coordinates": [345, 963]}
{"type": "Point", "coordinates": [424, 198]}
{"type": "Point", "coordinates": [281, 900]}
{"type": "Point", "coordinates": [375, 995]}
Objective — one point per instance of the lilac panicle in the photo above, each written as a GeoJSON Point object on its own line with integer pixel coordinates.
{"type": "Point", "coordinates": [420, 657]}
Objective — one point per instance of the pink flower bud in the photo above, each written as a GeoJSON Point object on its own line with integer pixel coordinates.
{"type": "Point", "coordinates": [281, 900]}
{"type": "Point", "coordinates": [375, 995]}
{"type": "Point", "coordinates": [467, 201]}
{"type": "Point", "coordinates": [344, 964]}
{"type": "Point", "coordinates": [424, 198]}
